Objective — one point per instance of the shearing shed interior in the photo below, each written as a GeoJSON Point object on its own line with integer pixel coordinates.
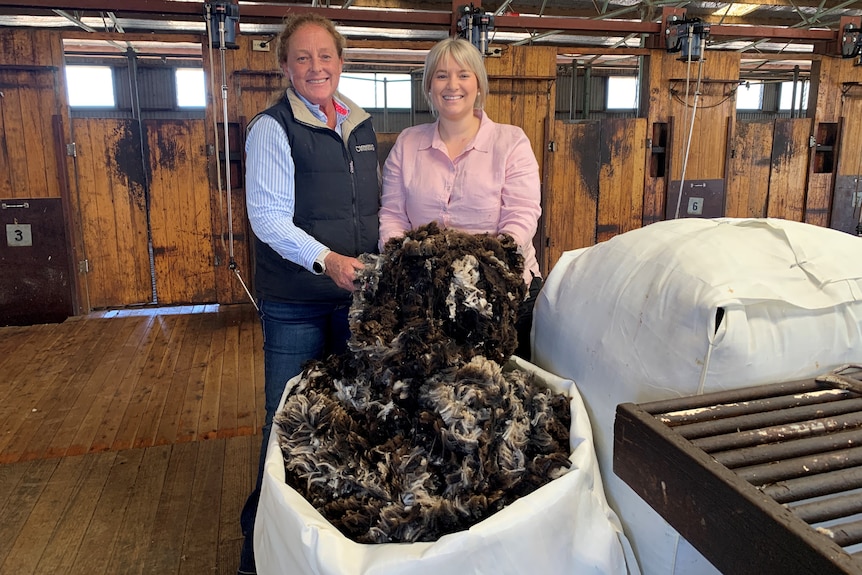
{"type": "Point", "coordinates": [700, 241]}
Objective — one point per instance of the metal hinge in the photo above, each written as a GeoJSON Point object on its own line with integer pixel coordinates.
{"type": "Point", "coordinates": [84, 267]}
{"type": "Point", "coordinates": [72, 150]}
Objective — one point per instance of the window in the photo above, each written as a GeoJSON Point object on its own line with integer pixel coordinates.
{"type": "Point", "coordinates": [787, 94]}
{"type": "Point", "coordinates": [90, 86]}
{"type": "Point", "coordinates": [191, 91]}
{"type": "Point", "coordinates": [749, 96]}
{"type": "Point", "coordinates": [622, 93]}
{"type": "Point", "coordinates": [375, 90]}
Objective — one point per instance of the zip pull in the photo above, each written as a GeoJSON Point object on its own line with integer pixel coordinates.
{"type": "Point", "coordinates": [351, 166]}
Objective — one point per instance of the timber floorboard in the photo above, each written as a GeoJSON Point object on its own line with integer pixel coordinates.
{"type": "Point", "coordinates": [129, 440]}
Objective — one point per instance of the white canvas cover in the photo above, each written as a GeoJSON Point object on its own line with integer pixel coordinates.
{"type": "Point", "coordinates": [566, 526]}
{"type": "Point", "coordinates": [692, 306]}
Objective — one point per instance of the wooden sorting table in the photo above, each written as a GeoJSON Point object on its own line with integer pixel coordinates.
{"type": "Point", "coordinates": [764, 479]}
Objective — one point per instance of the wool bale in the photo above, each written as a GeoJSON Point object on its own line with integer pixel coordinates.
{"type": "Point", "coordinates": [691, 306]}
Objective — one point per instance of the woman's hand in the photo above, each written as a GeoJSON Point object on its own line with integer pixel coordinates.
{"type": "Point", "coordinates": [342, 270]}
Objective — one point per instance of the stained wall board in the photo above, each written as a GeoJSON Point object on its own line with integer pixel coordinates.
{"type": "Point", "coordinates": [35, 286]}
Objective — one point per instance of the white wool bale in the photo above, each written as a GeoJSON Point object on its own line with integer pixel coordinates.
{"type": "Point", "coordinates": [565, 526]}
{"type": "Point", "coordinates": [691, 306]}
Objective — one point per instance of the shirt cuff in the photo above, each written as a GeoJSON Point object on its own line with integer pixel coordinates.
{"type": "Point", "coordinates": [319, 265]}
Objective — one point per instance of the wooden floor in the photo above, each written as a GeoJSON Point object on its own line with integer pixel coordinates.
{"type": "Point", "coordinates": [129, 441]}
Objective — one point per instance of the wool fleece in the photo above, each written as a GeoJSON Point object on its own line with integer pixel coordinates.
{"type": "Point", "coordinates": [417, 431]}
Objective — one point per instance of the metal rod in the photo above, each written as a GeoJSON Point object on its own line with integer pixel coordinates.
{"type": "Point", "coordinates": [814, 485]}
{"type": "Point", "coordinates": [845, 534]}
{"type": "Point", "coordinates": [730, 396]}
{"type": "Point", "coordinates": [801, 466]}
{"type": "Point", "coordinates": [826, 509]}
{"type": "Point", "coordinates": [724, 410]}
{"type": "Point", "coordinates": [771, 434]}
{"type": "Point", "coordinates": [768, 451]}
{"type": "Point", "coordinates": [800, 415]}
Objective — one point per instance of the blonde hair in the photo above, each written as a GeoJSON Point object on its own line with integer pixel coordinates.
{"type": "Point", "coordinates": [464, 54]}
{"type": "Point", "coordinates": [294, 22]}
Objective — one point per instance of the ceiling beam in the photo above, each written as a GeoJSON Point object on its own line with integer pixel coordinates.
{"type": "Point", "coordinates": [263, 12]}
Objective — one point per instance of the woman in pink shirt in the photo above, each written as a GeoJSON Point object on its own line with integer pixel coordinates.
{"type": "Point", "coordinates": [464, 170]}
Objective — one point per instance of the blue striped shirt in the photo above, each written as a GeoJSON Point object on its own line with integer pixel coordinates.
{"type": "Point", "coordinates": [270, 190]}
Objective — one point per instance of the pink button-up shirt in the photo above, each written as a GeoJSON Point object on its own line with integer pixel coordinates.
{"type": "Point", "coordinates": [492, 187]}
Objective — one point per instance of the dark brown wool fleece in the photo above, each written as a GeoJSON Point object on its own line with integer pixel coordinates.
{"type": "Point", "coordinates": [416, 431]}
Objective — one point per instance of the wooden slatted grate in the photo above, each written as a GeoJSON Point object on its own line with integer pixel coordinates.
{"type": "Point", "coordinates": [764, 479]}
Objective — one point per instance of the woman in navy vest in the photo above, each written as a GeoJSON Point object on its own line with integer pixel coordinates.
{"type": "Point", "coordinates": [312, 193]}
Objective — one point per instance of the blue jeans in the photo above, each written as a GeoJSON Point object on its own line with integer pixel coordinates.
{"type": "Point", "coordinates": [293, 333]}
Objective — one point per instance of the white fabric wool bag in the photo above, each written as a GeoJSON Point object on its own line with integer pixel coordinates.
{"type": "Point", "coordinates": [691, 306]}
{"type": "Point", "coordinates": [566, 526]}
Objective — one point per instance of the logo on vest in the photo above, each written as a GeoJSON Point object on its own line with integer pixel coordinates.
{"type": "Point", "coordinates": [365, 148]}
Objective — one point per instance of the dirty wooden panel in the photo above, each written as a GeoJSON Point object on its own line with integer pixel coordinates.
{"type": "Point", "coordinates": [668, 98]}
{"type": "Point", "coordinates": [27, 401]}
{"type": "Point", "coordinates": [849, 155]}
{"type": "Point", "coordinates": [825, 92]}
{"type": "Point", "coordinates": [249, 379]}
{"type": "Point", "coordinates": [818, 199]}
{"type": "Point", "coordinates": [99, 384]}
{"type": "Point", "coordinates": [228, 383]}
{"type": "Point", "coordinates": [27, 108]}
{"type": "Point", "coordinates": [74, 516]}
{"type": "Point", "coordinates": [29, 47]}
{"type": "Point", "coordinates": [35, 534]}
{"type": "Point", "coordinates": [572, 189]}
{"type": "Point", "coordinates": [201, 537]}
{"type": "Point", "coordinates": [180, 217]}
{"type": "Point", "coordinates": [13, 162]}
{"type": "Point", "coordinates": [178, 380]}
{"type": "Point", "coordinates": [157, 374]}
{"type": "Point", "coordinates": [141, 416]}
{"type": "Point", "coordinates": [129, 358]}
{"type": "Point", "coordinates": [112, 193]}
{"type": "Point", "coordinates": [253, 91]}
{"type": "Point", "coordinates": [193, 394]}
{"type": "Point", "coordinates": [788, 176]}
{"type": "Point", "coordinates": [23, 498]}
{"type": "Point", "coordinates": [139, 515]}
{"type": "Point", "coordinates": [48, 421]}
{"type": "Point", "coordinates": [522, 83]}
{"type": "Point", "coordinates": [621, 177]}
{"type": "Point", "coordinates": [748, 176]}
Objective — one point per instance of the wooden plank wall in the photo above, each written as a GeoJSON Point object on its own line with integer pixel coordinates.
{"type": "Point", "coordinates": [111, 206]}
{"type": "Point", "coordinates": [33, 114]}
{"type": "Point", "coordinates": [522, 84]}
{"type": "Point", "coordinates": [579, 206]}
{"type": "Point", "coordinates": [572, 190]}
{"type": "Point", "coordinates": [254, 80]}
{"type": "Point", "coordinates": [180, 212]}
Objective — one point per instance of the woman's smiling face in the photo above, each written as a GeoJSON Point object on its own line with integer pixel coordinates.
{"type": "Point", "coordinates": [312, 64]}
{"type": "Point", "coordinates": [454, 89]}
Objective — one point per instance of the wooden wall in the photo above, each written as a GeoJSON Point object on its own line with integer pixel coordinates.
{"type": "Point", "coordinates": [33, 114]}
{"type": "Point", "coordinates": [600, 178]}
{"type": "Point", "coordinates": [254, 80]}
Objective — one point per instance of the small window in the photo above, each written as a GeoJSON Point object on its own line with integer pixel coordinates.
{"type": "Point", "coordinates": [749, 96]}
{"type": "Point", "coordinates": [787, 94]}
{"type": "Point", "coordinates": [622, 93]}
{"type": "Point", "coordinates": [90, 86]}
{"type": "Point", "coordinates": [191, 90]}
{"type": "Point", "coordinates": [377, 90]}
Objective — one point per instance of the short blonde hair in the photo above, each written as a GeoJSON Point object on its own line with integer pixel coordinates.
{"type": "Point", "coordinates": [464, 54]}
